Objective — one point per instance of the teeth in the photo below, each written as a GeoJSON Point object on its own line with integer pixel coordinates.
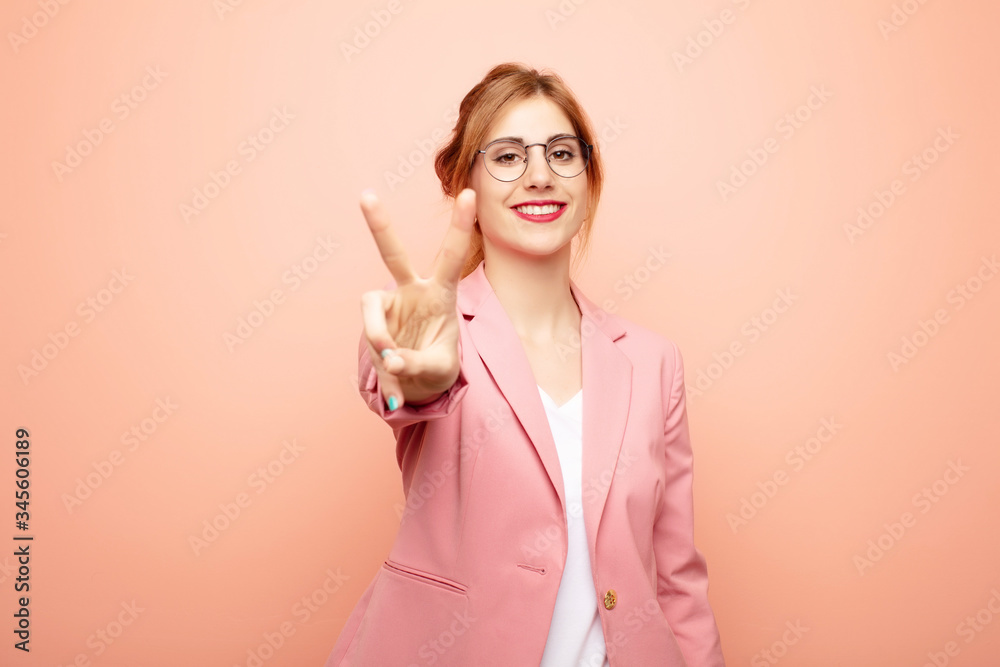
{"type": "Point", "coordinates": [538, 210]}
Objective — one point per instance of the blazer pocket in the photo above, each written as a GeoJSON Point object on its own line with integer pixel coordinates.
{"type": "Point", "coordinates": [425, 577]}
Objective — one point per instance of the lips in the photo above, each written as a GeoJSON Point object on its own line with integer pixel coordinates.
{"type": "Point", "coordinates": [539, 211]}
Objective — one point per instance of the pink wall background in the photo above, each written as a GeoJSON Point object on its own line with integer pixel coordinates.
{"type": "Point", "coordinates": [200, 78]}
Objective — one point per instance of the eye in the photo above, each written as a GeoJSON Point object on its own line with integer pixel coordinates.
{"type": "Point", "coordinates": [564, 149]}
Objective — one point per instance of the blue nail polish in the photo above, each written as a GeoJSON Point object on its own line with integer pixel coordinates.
{"type": "Point", "coordinates": [393, 403]}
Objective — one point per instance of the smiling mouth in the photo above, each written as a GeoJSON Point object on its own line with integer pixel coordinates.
{"type": "Point", "coordinates": [539, 213]}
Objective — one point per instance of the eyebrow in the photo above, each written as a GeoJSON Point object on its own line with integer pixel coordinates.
{"type": "Point", "coordinates": [520, 140]}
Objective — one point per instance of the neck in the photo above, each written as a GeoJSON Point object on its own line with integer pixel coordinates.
{"type": "Point", "coordinates": [535, 293]}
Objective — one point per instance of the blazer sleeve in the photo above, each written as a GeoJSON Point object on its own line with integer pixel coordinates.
{"type": "Point", "coordinates": [406, 414]}
{"type": "Point", "coordinates": [682, 573]}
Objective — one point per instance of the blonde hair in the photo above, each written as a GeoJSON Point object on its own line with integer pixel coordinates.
{"type": "Point", "coordinates": [503, 85]}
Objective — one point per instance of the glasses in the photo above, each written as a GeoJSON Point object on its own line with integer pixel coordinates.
{"type": "Point", "coordinates": [507, 160]}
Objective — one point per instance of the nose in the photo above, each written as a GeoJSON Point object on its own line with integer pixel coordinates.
{"type": "Point", "coordinates": [538, 173]}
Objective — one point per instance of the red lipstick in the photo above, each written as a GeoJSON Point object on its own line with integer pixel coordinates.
{"type": "Point", "coordinates": [545, 217]}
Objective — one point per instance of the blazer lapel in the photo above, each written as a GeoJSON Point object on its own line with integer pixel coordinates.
{"type": "Point", "coordinates": [607, 382]}
{"type": "Point", "coordinates": [607, 393]}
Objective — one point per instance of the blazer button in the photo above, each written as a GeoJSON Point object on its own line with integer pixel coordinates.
{"type": "Point", "coordinates": [610, 599]}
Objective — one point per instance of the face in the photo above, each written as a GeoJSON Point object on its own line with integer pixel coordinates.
{"type": "Point", "coordinates": [534, 121]}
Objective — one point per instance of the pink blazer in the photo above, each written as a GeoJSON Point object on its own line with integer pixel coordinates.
{"type": "Point", "coordinates": [473, 574]}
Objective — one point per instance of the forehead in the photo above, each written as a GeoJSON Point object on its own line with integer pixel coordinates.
{"type": "Point", "coordinates": [532, 120]}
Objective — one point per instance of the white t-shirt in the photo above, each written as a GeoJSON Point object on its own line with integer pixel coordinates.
{"type": "Point", "coordinates": [576, 637]}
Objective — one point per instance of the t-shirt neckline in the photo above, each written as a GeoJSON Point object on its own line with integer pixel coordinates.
{"type": "Point", "coordinates": [552, 401]}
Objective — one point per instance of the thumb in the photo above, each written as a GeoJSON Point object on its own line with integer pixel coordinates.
{"type": "Point", "coordinates": [402, 362]}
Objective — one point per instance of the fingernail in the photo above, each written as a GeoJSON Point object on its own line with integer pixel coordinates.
{"type": "Point", "coordinates": [386, 352]}
{"type": "Point", "coordinates": [393, 403]}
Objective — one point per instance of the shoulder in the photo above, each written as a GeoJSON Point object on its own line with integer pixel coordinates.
{"type": "Point", "coordinates": [637, 339]}
{"type": "Point", "coordinates": [658, 371]}
{"type": "Point", "coordinates": [641, 343]}
{"type": "Point", "coordinates": [655, 357]}
{"type": "Point", "coordinates": [657, 364]}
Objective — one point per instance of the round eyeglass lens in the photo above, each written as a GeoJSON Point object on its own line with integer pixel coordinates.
{"type": "Point", "coordinates": [505, 160]}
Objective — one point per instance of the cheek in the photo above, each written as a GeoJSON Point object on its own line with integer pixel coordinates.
{"type": "Point", "coordinates": [492, 196]}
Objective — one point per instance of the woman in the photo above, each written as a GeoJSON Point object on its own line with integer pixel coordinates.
{"type": "Point", "coordinates": [543, 442]}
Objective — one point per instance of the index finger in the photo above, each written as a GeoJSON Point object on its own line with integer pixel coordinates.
{"type": "Point", "coordinates": [451, 257]}
{"type": "Point", "coordinates": [389, 246]}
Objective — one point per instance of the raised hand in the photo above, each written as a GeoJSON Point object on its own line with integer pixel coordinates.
{"type": "Point", "coordinates": [416, 324]}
